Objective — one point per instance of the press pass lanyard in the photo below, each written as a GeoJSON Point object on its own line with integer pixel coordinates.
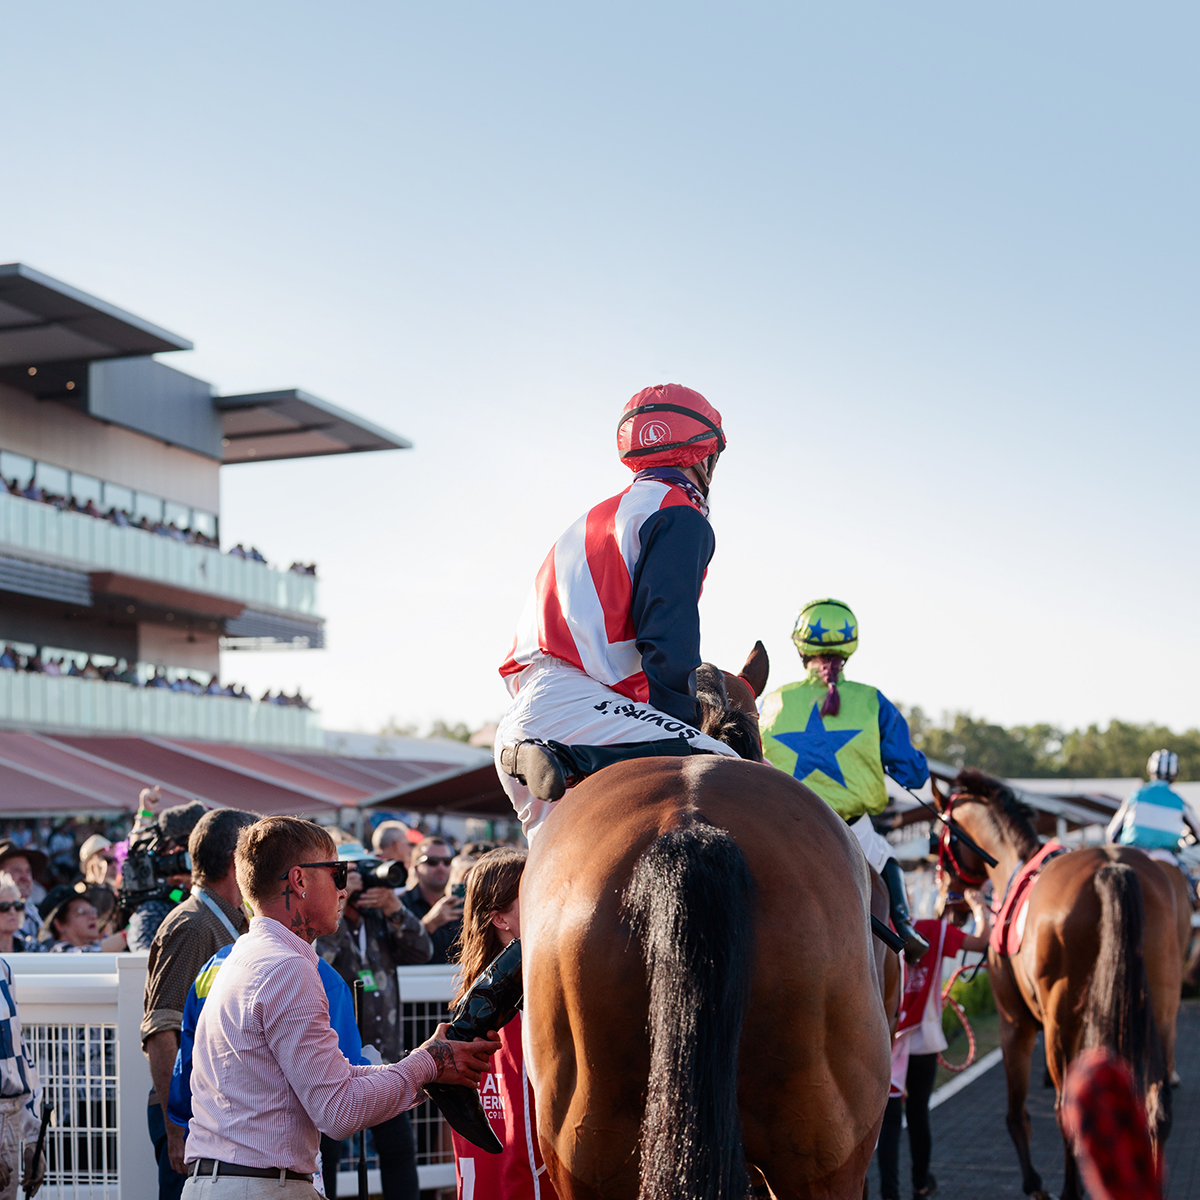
{"type": "Point", "coordinates": [215, 909]}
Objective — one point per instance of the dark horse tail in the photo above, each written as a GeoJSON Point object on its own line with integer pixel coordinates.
{"type": "Point", "coordinates": [690, 903]}
{"type": "Point", "coordinates": [1118, 1016]}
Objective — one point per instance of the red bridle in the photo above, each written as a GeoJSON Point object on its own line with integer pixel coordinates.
{"type": "Point", "coordinates": [950, 853]}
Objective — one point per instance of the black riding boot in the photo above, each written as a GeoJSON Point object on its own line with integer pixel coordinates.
{"type": "Point", "coordinates": [915, 945]}
{"type": "Point", "coordinates": [491, 1003]}
{"type": "Point", "coordinates": [547, 769]}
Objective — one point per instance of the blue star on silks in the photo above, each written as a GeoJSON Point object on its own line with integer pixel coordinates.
{"type": "Point", "coordinates": [816, 631]}
{"type": "Point", "coordinates": [816, 747]}
{"type": "Point", "coordinates": [847, 631]}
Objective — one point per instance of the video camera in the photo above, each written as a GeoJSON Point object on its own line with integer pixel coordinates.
{"type": "Point", "coordinates": [155, 855]}
{"type": "Point", "coordinates": [378, 872]}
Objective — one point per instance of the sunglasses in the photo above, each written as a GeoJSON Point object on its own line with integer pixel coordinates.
{"type": "Point", "coordinates": [434, 862]}
{"type": "Point", "coordinates": [341, 871]}
{"type": "Point", "coordinates": [9, 905]}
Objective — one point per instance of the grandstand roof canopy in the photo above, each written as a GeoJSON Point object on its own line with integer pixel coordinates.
{"type": "Point", "coordinates": [43, 320]}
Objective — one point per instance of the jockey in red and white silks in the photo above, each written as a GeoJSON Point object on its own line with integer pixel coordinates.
{"type": "Point", "coordinates": [608, 644]}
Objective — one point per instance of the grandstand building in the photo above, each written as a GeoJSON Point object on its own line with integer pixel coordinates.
{"type": "Point", "coordinates": [116, 591]}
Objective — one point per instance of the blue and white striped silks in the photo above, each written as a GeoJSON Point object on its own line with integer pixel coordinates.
{"type": "Point", "coordinates": [1153, 818]}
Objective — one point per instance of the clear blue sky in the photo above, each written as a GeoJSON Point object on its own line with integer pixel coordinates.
{"type": "Point", "coordinates": [936, 265]}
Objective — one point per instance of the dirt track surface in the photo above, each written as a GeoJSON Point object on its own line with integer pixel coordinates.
{"type": "Point", "coordinates": [973, 1156]}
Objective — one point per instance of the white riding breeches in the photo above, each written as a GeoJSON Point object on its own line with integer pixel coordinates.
{"type": "Point", "coordinates": [876, 847]}
{"type": "Point", "coordinates": [558, 702]}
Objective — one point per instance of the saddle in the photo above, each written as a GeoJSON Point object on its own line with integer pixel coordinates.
{"type": "Point", "coordinates": [1009, 926]}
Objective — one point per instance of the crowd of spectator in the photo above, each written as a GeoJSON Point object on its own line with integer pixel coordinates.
{"type": "Point", "coordinates": [118, 516]}
{"type": "Point", "coordinates": [121, 671]}
{"type": "Point", "coordinates": [126, 520]}
{"type": "Point", "coordinates": [60, 881]}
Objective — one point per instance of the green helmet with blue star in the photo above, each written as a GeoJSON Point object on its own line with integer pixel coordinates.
{"type": "Point", "coordinates": [826, 627]}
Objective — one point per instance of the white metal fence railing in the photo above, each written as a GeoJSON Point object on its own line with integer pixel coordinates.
{"type": "Point", "coordinates": [81, 1014]}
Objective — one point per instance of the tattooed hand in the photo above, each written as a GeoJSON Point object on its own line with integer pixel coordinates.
{"type": "Point", "coordinates": [460, 1062]}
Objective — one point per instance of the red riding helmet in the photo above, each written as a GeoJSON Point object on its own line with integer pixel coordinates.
{"type": "Point", "coordinates": [668, 426]}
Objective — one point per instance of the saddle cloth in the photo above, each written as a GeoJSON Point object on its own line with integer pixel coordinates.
{"type": "Point", "coordinates": [1009, 927]}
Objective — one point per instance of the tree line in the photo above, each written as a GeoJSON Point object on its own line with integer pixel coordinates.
{"type": "Point", "coordinates": [1118, 751]}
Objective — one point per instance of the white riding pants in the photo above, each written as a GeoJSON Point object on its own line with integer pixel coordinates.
{"type": "Point", "coordinates": [875, 846]}
{"type": "Point", "coordinates": [559, 703]}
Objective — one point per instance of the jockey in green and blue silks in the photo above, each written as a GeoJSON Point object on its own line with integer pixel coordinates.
{"type": "Point", "coordinates": [839, 738]}
{"type": "Point", "coordinates": [1152, 819]}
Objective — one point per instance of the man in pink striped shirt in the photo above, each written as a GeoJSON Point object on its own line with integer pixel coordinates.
{"type": "Point", "coordinates": [267, 1073]}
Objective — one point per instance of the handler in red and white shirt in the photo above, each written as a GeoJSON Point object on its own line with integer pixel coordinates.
{"type": "Point", "coordinates": [603, 664]}
{"type": "Point", "coordinates": [267, 1073]}
{"type": "Point", "coordinates": [919, 1041]}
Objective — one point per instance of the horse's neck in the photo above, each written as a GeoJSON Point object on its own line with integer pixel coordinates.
{"type": "Point", "coordinates": [1008, 859]}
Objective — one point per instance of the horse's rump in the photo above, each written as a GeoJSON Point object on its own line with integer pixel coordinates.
{"type": "Point", "coordinates": [812, 1062]}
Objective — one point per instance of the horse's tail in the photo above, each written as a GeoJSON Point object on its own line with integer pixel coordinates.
{"type": "Point", "coordinates": [1118, 1016]}
{"type": "Point", "coordinates": [690, 903]}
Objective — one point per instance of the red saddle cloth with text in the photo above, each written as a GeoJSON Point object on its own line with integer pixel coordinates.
{"type": "Point", "coordinates": [1009, 926]}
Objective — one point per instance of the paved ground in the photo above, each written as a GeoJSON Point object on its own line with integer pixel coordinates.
{"type": "Point", "coordinates": [973, 1156]}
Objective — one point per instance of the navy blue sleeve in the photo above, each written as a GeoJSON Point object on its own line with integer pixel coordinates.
{"type": "Point", "coordinates": [677, 544]}
{"type": "Point", "coordinates": [901, 759]}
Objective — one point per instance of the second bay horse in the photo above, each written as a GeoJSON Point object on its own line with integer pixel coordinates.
{"type": "Point", "coordinates": [1098, 964]}
{"type": "Point", "coordinates": [702, 991]}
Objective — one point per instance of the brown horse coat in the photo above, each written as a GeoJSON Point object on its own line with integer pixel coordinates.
{"type": "Point", "coordinates": [814, 1059]}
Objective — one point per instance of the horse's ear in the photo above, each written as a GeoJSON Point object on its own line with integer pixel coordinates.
{"type": "Point", "coordinates": [939, 801]}
{"type": "Point", "coordinates": [756, 668]}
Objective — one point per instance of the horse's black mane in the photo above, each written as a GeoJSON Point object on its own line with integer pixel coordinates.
{"type": "Point", "coordinates": [1011, 816]}
{"type": "Point", "coordinates": [720, 720]}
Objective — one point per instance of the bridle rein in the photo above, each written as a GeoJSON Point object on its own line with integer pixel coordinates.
{"type": "Point", "coordinates": [950, 854]}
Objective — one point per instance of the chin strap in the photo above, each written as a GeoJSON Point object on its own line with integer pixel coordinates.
{"type": "Point", "coordinates": [704, 469]}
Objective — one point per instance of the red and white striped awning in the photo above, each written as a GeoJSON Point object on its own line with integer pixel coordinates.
{"type": "Point", "coordinates": [55, 773]}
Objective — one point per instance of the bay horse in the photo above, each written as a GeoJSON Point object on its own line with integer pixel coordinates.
{"type": "Point", "coordinates": [1098, 964]}
{"type": "Point", "coordinates": [702, 991]}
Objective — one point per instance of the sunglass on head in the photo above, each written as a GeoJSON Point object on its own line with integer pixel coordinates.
{"type": "Point", "coordinates": [341, 871]}
{"type": "Point", "coordinates": [9, 905]}
{"type": "Point", "coordinates": [434, 862]}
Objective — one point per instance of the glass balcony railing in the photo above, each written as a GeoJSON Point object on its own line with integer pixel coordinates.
{"type": "Point", "coordinates": [67, 702]}
{"type": "Point", "coordinates": [70, 539]}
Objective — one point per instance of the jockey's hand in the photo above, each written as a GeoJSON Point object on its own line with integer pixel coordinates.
{"type": "Point", "coordinates": [382, 898]}
{"type": "Point", "coordinates": [460, 1062]}
{"type": "Point", "coordinates": [447, 909]}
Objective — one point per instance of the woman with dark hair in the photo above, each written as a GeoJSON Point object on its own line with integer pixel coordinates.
{"type": "Point", "coordinates": [491, 922]}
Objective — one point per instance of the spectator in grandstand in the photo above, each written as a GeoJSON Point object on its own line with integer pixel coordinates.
{"type": "Point", "coordinates": [12, 914]}
{"type": "Point", "coordinates": [70, 924]}
{"type": "Point", "coordinates": [376, 935]}
{"type": "Point", "coordinates": [211, 917]}
{"type": "Point", "coordinates": [21, 865]}
{"type": "Point", "coordinates": [20, 1100]}
{"type": "Point", "coordinates": [439, 911]}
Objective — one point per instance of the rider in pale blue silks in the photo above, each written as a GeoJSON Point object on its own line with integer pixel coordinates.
{"type": "Point", "coordinates": [1153, 818]}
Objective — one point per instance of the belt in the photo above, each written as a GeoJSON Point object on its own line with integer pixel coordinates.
{"type": "Point", "coordinates": [214, 1166]}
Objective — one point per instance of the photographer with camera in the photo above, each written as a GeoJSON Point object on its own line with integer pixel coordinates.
{"type": "Point", "coordinates": [191, 933]}
{"type": "Point", "coordinates": [157, 874]}
{"type": "Point", "coordinates": [375, 935]}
